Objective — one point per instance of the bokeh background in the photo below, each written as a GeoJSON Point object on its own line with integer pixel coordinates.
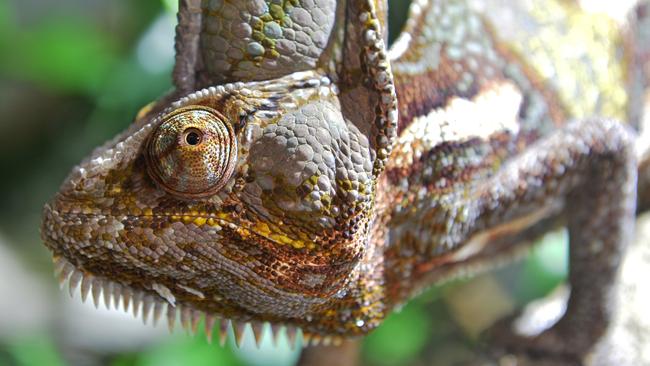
{"type": "Point", "coordinates": [73, 73]}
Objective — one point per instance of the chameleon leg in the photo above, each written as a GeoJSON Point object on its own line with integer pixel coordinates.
{"type": "Point", "coordinates": [591, 167]}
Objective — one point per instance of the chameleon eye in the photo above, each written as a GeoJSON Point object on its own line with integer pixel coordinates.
{"type": "Point", "coordinates": [192, 153]}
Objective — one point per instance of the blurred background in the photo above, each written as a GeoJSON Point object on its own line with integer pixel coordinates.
{"type": "Point", "coordinates": [73, 73]}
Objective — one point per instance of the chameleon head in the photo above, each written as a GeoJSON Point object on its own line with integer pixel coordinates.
{"type": "Point", "coordinates": [249, 200]}
{"type": "Point", "coordinates": [250, 206]}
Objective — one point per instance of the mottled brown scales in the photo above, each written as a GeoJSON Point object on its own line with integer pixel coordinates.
{"type": "Point", "coordinates": [285, 192]}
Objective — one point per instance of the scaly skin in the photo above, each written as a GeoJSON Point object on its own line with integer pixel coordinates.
{"type": "Point", "coordinates": [277, 185]}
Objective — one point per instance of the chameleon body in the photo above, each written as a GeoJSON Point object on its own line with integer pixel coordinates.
{"type": "Point", "coordinates": [302, 175]}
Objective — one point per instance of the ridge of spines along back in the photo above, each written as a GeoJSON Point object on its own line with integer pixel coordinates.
{"type": "Point", "coordinates": [145, 305]}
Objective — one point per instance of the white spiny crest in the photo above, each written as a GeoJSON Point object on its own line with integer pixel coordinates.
{"type": "Point", "coordinates": [117, 295]}
{"type": "Point", "coordinates": [275, 332]}
{"type": "Point", "coordinates": [196, 319]}
{"type": "Point", "coordinates": [147, 305]}
{"type": "Point", "coordinates": [306, 339]}
{"type": "Point", "coordinates": [209, 326]}
{"type": "Point", "coordinates": [107, 291]}
{"type": "Point", "coordinates": [96, 289]}
{"type": "Point", "coordinates": [136, 302]}
{"type": "Point", "coordinates": [142, 304]}
{"type": "Point", "coordinates": [126, 297]}
{"type": "Point", "coordinates": [86, 282]}
{"type": "Point", "coordinates": [258, 332]}
{"type": "Point", "coordinates": [158, 308]}
{"type": "Point", "coordinates": [291, 335]}
{"type": "Point", "coordinates": [238, 329]}
{"type": "Point", "coordinates": [185, 315]}
{"type": "Point", "coordinates": [171, 318]}
{"type": "Point", "coordinates": [223, 331]}
{"type": "Point", "coordinates": [75, 279]}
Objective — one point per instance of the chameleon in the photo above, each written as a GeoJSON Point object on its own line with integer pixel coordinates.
{"type": "Point", "coordinates": [302, 175]}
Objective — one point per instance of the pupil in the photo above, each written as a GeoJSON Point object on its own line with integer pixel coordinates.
{"type": "Point", "coordinates": [193, 138]}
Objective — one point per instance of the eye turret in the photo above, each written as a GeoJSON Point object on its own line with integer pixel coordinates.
{"type": "Point", "coordinates": [192, 153]}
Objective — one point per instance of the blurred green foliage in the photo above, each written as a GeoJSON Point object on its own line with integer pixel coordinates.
{"type": "Point", "coordinates": [401, 337]}
{"type": "Point", "coordinates": [36, 350]}
{"type": "Point", "coordinates": [181, 351]}
{"type": "Point", "coordinates": [81, 63]}
{"type": "Point", "coordinates": [70, 78]}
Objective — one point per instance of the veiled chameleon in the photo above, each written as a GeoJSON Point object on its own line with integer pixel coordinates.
{"type": "Point", "coordinates": [300, 174]}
